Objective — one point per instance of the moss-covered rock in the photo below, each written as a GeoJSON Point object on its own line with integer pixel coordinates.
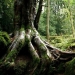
{"type": "Point", "coordinates": [70, 67]}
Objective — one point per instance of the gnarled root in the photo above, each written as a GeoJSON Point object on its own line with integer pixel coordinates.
{"type": "Point", "coordinates": [32, 54]}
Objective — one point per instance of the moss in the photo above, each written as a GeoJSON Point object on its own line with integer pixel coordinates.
{"type": "Point", "coordinates": [11, 56]}
{"type": "Point", "coordinates": [21, 43]}
{"type": "Point", "coordinates": [20, 68]}
{"type": "Point", "coordinates": [61, 68]}
{"type": "Point", "coordinates": [36, 59]}
{"type": "Point", "coordinates": [4, 38]}
{"type": "Point", "coordinates": [22, 28]}
{"type": "Point", "coordinates": [4, 68]}
{"type": "Point", "coordinates": [15, 49]}
{"type": "Point", "coordinates": [58, 40]}
{"type": "Point", "coordinates": [62, 42]}
{"type": "Point", "coordinates": [35, 62]}
{"type": "Point", "coordinates": [13, 53]}
{"type": "Point", "coordinates": [27, 39]}
{"type": "Point", "coordinates": [28, 27]}
{"type": "Point", "coordinates": [43, 51]}
{"type": "Point", "coordinates": [70, 67]}
{"type": "Point", "coordinates": [4, 43]}
{"type": "Point", "coordinates": [42, 48]}
{"type": "Point", "coordinates": [72, 40]}
{"type": "Point", "coordinates": [51, 70]}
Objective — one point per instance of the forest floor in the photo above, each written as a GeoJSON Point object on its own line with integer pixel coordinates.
{"type": "Point", "coordinates": [65, 43]}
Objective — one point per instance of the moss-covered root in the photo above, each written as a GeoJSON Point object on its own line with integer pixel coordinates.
{"type": "Point", "coordinates": [34, 55]}
{"type": "Point", "coordinates": [16, 47]}
{"type": "Point", "coordinates": [35, 60]}
{"type": "Point", "coordinates": [14, 41]}
{"type": "Point", "coordinates": [44, 54]}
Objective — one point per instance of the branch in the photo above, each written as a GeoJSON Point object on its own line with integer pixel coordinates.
{"type": "Point", "coordinates": [36, 21]}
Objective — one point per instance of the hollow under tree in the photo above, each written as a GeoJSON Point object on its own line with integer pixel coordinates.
{"type": "Point", "coordinates": [28, 53]}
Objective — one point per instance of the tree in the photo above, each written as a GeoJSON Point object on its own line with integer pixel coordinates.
{"type": "Point", "coordinates": [48, 18]}
{"type": "Point", "coordinates": [28, 53]}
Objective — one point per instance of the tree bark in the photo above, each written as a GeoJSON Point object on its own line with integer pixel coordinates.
{"type": "Point", "coordinates": [28, 53]}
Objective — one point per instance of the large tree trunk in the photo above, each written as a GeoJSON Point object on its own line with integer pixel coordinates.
{"type": "Point", "coordinates": [28, 53]}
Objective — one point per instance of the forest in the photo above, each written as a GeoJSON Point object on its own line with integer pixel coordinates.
{"type": "Point", "coordinates": [37, 37]}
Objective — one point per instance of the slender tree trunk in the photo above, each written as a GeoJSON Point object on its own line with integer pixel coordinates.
{"type": "Point", "coordinates": [71, 18]}
{"type": "Point", "coordinates": [48, 18]}
{"type": "Point", "coordinates": [72, 24]}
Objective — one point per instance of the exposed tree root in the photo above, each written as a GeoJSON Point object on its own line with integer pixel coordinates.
{"type": "Point", "coordinates": [14, 48]}
{"type": "Point", "coordinates": [59, 54]}
{"type": "Point", "coordinates": [40, 54]}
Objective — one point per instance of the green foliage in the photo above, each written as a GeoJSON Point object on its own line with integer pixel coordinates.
{"type": "Point", "coordinates": [6, 15]}
{"type": "Point", "coordinates": [62, 42]}
{"type": "Point", "coordinates": [4, 42]}
{"type": "Point", "coordinates": [11, 56]}
{"type": "Point", "coordinates": [4, 39]}
{"type": "Point", "coordinates": [60, 18]}
{"type": "Point", "coordinates": [42, 24]}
